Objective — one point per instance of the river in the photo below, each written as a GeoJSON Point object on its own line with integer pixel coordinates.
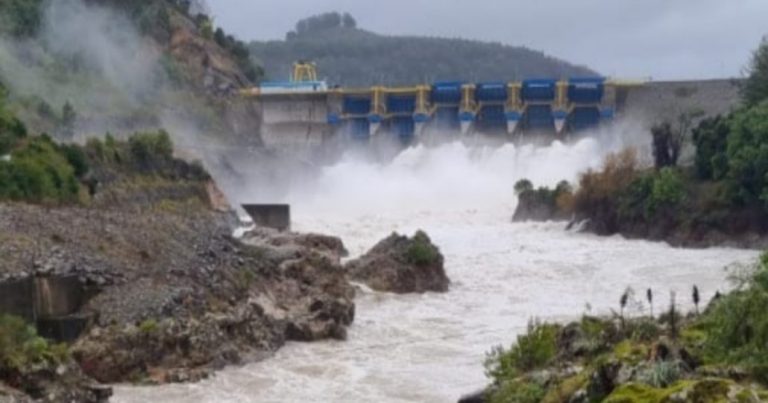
{"type": "Point", "coordinates": [430, 348]}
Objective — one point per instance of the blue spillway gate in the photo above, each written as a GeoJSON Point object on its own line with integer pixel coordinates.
{"type": "Point", "coordinates": [490, 106]}
{"type": "Point", "coordinates": [358, 127]}
{"type": "Point", "coordinates": [401, 104]}
{"type": "Point", "coordinates": [491, 96]}
{"type": "Point", "coordinates": [538, 90]}
{"type": "Point", "coordinates": [356, 105]}
{"type": "Point", "coordinates": [539, 117]}
{"type": "Point", "coordinates": [586, 94]}
{"type": "Point", "coordinates": [446, 96]}
{"type": "Point", "coordinates": [402, 107]}
{"type": "Point", "coordinates": [539, 94]}
{"type": "Point", "coordinates": [582, 118]}
{"type": "Point", "coordinates": [586, 90]}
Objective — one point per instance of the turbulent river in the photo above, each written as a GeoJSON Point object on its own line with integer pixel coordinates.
{"type": "Point", "coordinates": [430, 348]}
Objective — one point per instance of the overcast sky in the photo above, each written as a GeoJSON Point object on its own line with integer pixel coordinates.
{"type": "Point", "coordinates": [662, 39]}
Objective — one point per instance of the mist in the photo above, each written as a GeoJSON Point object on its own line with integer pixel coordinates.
{"type": "Point", "coordinates": [449, 176]}
{"type": "Point", "coordinates": [87, 55]}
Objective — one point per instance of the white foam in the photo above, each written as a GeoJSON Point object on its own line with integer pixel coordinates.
{"type": "Point", "coordinates": [430, 348]}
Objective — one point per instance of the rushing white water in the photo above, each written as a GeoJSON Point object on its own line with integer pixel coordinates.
{"type": "Point", "coordinates": [430, 348]}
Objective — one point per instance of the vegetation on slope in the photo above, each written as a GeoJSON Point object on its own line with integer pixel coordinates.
{"type": "Point", "coordinates": [715, 355]}
{"type": "Point", "coordinates": [38, 170]}
{"type": "Point", "coordinates": [348, 55]}
{"type": "Point", "coordinates": [65, 67]}
{"type": "Point", "coordinates": [21, 347]}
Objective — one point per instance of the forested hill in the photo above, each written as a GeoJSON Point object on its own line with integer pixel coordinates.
{"type": "Point", "coordinates": [348, 55]}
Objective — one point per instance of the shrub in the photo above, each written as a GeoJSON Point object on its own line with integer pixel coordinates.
{"type": "Point", "coordinates": [667, 189]}
{"type": "Point", "coordinates": [151, 150]}
{"type": "Point", "coordinates": [12, 130]}
{"type": "Point", "coordinates": [533, 350]}
{"type": "Point", "coordinates": [76, 157]}
{"type": "Point", "coordinates": [421, 252]}
{"type": "Point", "coordinates": [20, 346]}
{"type": "Point", "coordinates": [148, 326]}
{"type": "Point", "coordinates": [660, 374]}
{"type": "Point", "coordinates": [518, 391]}
{"type": "Point", "coordinates": [522, 186]}
{"type": "Point", "coordinates": [598, 193]}
{"type": "Point", "coordinates": [737, 324]}
{"type": "Point", "coordinates": [144, 153]}
{"type": "Point", "coordinates": [38, 172]}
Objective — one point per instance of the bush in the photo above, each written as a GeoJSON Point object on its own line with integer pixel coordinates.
{"type": "Point", "coordinates": [151, 150]}
{"type": "Point", "coordinates": [20, 346]}
{"type": "Point", "coordinates": [148, 326]}
{"type": "Point", "coordinates": [146, 153]}
{"type": "Point", "coordinates": [598, 193]}
{"type": "Point", "coordinates": [421, 252]}
{"type": "Point", "coordinates": [518, 392]}
{"type": "Point", "coordinates": [522, 186]}
{"type": "Point", "coordinates": [533, 350]}
{"type": "Point", "coordinates": [12, 130]}
{"type": "Point", "coordinates": [660, 374]}
{"type": "Point", "coordinates": [737, 324]}
{"type": "Point", "coordinates": [76, 157]}
{"type": "Point", "coordinates": [667, 189]}
{"type": "Point", "coordinates": [38, 172]}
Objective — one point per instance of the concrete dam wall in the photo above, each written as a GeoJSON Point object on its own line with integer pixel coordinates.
{"type": "Point", "coordinates": [507, 110]}
{"type": "Point", "coordinates": [666, 100]}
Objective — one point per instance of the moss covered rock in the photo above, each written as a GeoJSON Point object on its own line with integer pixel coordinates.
{"type": "Point", "coordinates": [402, 265]}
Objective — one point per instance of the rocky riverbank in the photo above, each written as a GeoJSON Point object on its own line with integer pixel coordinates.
{"type": "Point", "coordinates": [145, 280]}
{"type": "Point", "coordinates": [697, 220]}
{"type": "Point", "coordinates": [718, 355]}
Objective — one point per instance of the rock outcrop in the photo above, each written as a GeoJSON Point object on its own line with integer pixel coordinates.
{"type": "Point", "coordinates": [543, 204]}
{"type": "Point", "coordinates": [401, 265]}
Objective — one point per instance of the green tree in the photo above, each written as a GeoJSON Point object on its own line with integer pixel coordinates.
{"type": "Point", "coordinates": [747, 155]}
{"type": "Point", "coordinates": [711, 141]}
{"type": "Point", "coordinates": [755, 89]}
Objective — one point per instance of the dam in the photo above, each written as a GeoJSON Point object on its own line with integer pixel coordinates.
{"type": "Point", "coordinates": [305, 110]}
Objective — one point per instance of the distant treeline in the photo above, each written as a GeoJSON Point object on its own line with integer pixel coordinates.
{"type": "Point", "coordinates": [347, 55]}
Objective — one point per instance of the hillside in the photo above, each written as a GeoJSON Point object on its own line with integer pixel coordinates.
{"type": "Point", "coordinates": [348, 55]}
{"type": "Point", "coordinates": [75, 68]}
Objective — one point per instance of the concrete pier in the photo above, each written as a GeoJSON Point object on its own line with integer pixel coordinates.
{"type": "Point", "coordinates": [276, 216]}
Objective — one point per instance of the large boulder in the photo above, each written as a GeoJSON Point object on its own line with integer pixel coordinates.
{"type": "Point", "coordinates": [401, 265]}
